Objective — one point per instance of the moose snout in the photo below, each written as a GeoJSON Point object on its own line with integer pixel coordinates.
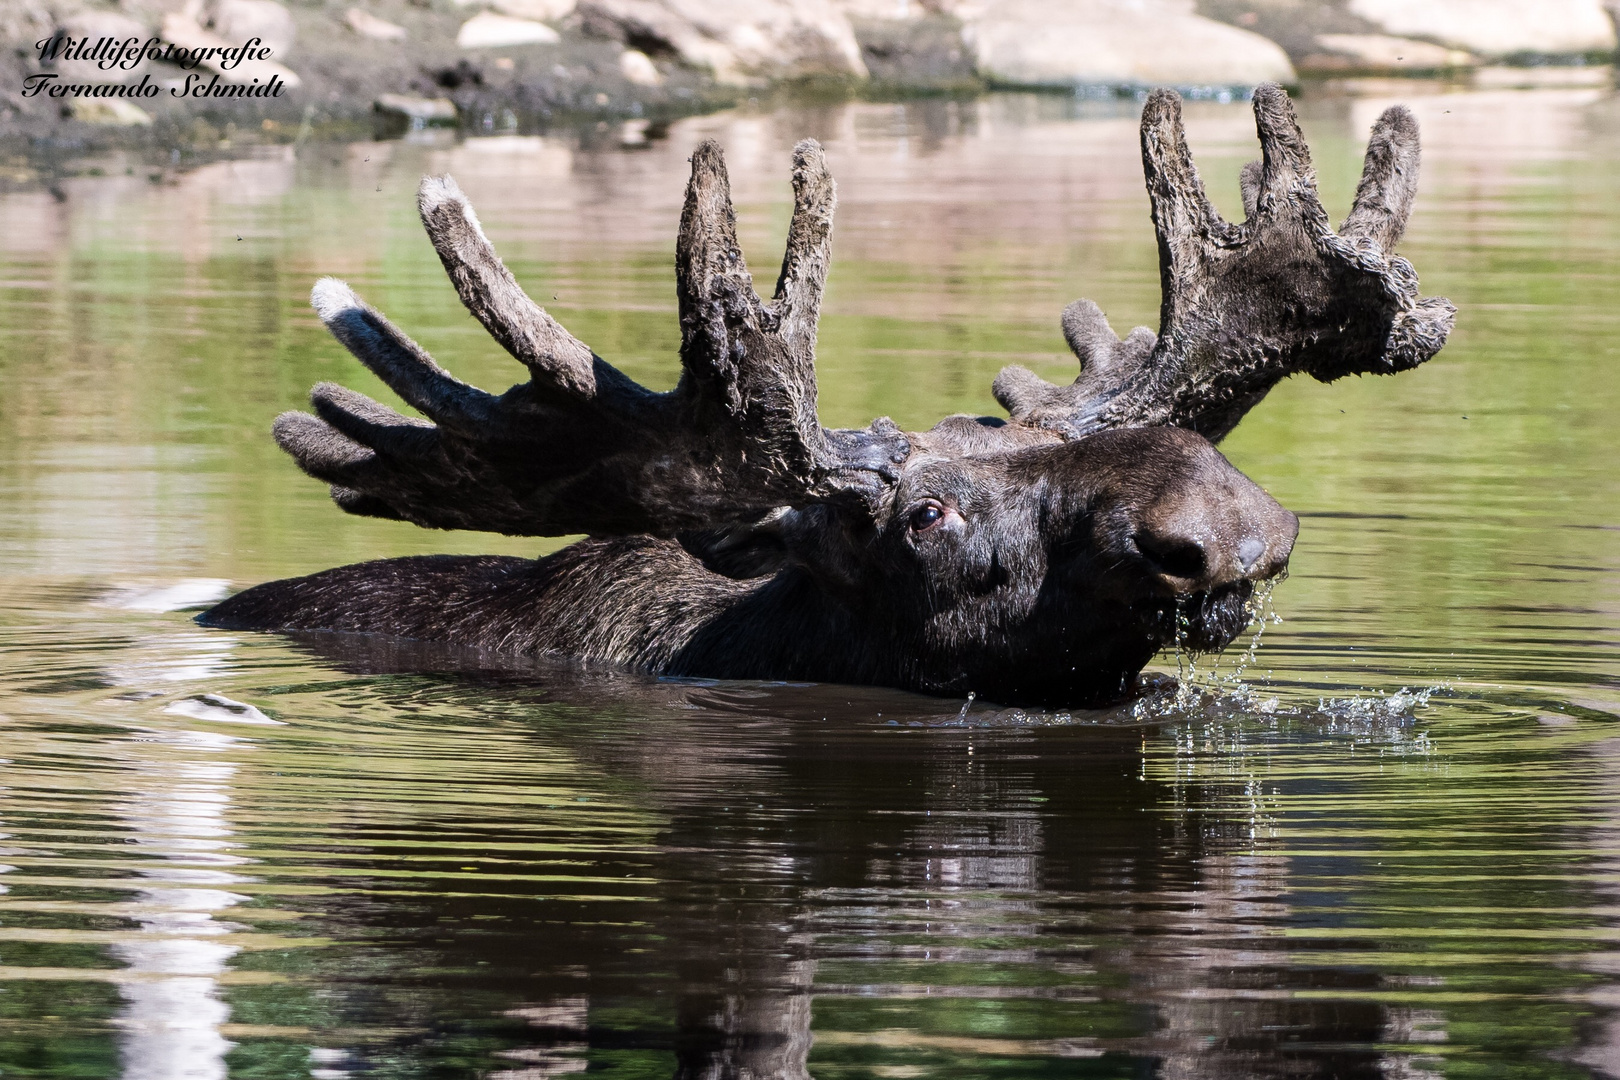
{"type": "Point", "coordinates": [1215, 535]}
{"type": "Point", "coordinates": [1191, 520]}
{"type": "Point", "coordinates": [1164, 504]}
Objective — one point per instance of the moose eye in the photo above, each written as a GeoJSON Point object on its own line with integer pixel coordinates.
{"type": "Point", "coordinates": [926, 516]}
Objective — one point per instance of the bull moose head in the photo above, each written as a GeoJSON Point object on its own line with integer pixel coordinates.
{"type": "Point", "coordinates": [1042, 558]}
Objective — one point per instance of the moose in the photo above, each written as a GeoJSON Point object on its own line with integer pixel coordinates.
{"type": "Point", "coordinates": [1039, 559]}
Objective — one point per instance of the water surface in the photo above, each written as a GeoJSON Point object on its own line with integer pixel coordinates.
{"type": "Point", "coordinates": [1391, 850]}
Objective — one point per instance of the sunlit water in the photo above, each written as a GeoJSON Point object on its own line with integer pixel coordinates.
{"type": "Point", "coordinates": [1389, 848]}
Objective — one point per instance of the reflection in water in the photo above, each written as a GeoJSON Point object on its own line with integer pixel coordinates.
{"type": "Point", "coordinates": [172, 1023]}
{"type": "Point", "coordinates": [839, 879]}
{"type": "Point", "coordinates": [1389, 853]}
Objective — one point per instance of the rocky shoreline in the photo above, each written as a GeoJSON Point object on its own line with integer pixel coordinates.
{"type": "Point", "coordinates": [486, 66]}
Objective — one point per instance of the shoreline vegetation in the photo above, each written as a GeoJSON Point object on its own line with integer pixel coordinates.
{"type": "Point", "coordinates": [203, 76]}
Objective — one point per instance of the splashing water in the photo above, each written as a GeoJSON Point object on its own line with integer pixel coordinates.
{"type": "Point", "coordinates": [1210, 694]}
{"type": "Point", "coordinates": [1261, 613]}
{"type": "Point", "coordinates": [1186, 660]}
{"type": "Point", "coordinates": [1192, 684]}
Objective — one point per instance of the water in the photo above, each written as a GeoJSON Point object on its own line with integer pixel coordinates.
{"type": "Point", "coordinates": [1390, 849]}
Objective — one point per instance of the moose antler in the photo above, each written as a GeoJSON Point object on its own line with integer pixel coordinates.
{"type": "Point", "coordinates": [1246, 305]}
{"type": "Point", "coordinates": [581, 448]}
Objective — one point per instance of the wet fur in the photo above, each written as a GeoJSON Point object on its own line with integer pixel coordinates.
{"type": "Point", "coordinates": [1035, 594]}
{"type": "Point", "coordinates": [648, 605]}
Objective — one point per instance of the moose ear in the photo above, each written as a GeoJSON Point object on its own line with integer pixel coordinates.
{"type": "Point", "coordinates": [741, 551]}
{"type": "Point", "coordinates": [830, 542]}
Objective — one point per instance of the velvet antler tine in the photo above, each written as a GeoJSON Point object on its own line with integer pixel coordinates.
{"type": "Point", "coordinates": [1182, 213]}
{"type": "Point", "coordinates": [1388, 181]}
{"type": "Point", "coordinates": [359, 407]}
{"type": "Point", "coordinates": [580, 447]}
{"type": "Point", "coordinates": [1246, 306]}
{"type": "Point", "coordinates": [1285, 162]}
{"type": "Point", "coordinates": [1020, 391]}
{"type": "Point", "coordinates": [362, 505]}
{"type": "Point", "coordinates": [492, 294]}
{"type": "Point", "coordinates": [397, 360]}
{"type": "Point", "coordinates": [721, 315]}
{"type": "Point", "coordinates": [708, 260]}
{"type": "Point", "coordinates": [1419, 332]}
{"type": "Point", "coordinates": [371, 423]}
{"type": "Point", "coordinates": [1105, 361]}
{"type": "Point", "coordinates": [1249, 180]}
{"type": "Point", "coordinates": [1090, 338]}
{"type": "Point", "coordinates": [809, 242]}
{"type": "Point", "coordinates": [321, 451]}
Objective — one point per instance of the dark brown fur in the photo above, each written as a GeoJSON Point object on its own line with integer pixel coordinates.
{"type": "Point", "coordinates": [1035, 588]}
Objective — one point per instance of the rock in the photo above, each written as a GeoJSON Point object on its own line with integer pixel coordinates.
{"type": "Point", "coordinates": [650, 21]}
{"type": "Point", "coordinates": [240, 21]}
{"type": "Point", "coordinates": [1497, 27]}
{"type": "Point", "coordinates": [1116, 43]}
{"type": "Point", "coordinates": [741, 41]}
{"type": "Point", "coordinates": [637, 67]}
{"type": "Point", "coordinates": [486, 30]}
{"type": "Point", "coordinates": [887, 9]}
{"type": "Point", "coordinates": [633, 133]}
{"type": "Point", "coordinates": [95, 25]}
{"type": "Point", "coordinates": [27, 21]}
{"type": "Point", "coordinates": [368, 25]}
{"type": "Point", "coordinates": [919, 52]}
{"type": "Point", "coordinates": [417, 112]}
{"type": "Point", "coordinates": [538, 10]}
{"type": "Point", "coordinates": [1379, 52]}
{"type": "Point", "coordinates": [98, 24]}
{"type": "Point", "coordinates": [184, 32]}
{"type": "Point", "coordinates": [899, 10]}
{"type": "Point", "coordinates": [112, 112]}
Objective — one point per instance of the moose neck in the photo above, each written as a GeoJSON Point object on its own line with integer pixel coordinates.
{"type": "Point", "coordinates": [598, 603]}
{"type": "Point", "coordinates": [647, 604]}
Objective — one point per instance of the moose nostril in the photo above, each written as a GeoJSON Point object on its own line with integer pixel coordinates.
{"type": "Point", "coordinates": [1249, 552]}
{"type": "Point", "coordinates": [1175, 556]}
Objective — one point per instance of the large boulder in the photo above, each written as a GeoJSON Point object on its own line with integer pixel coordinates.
{"type": "Point", "coordinates": [184, 32]}
{"type": "Point", "coordinates": [1497, 27]}
{"type": "Point", "coordinates": [240, 21]}
{"type": "Point", "coordinates": [741, 41]}
{"type": "Point", "coordinates": [1115, 43]}
{"type": "Point", "coordinates": [94, 24]}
